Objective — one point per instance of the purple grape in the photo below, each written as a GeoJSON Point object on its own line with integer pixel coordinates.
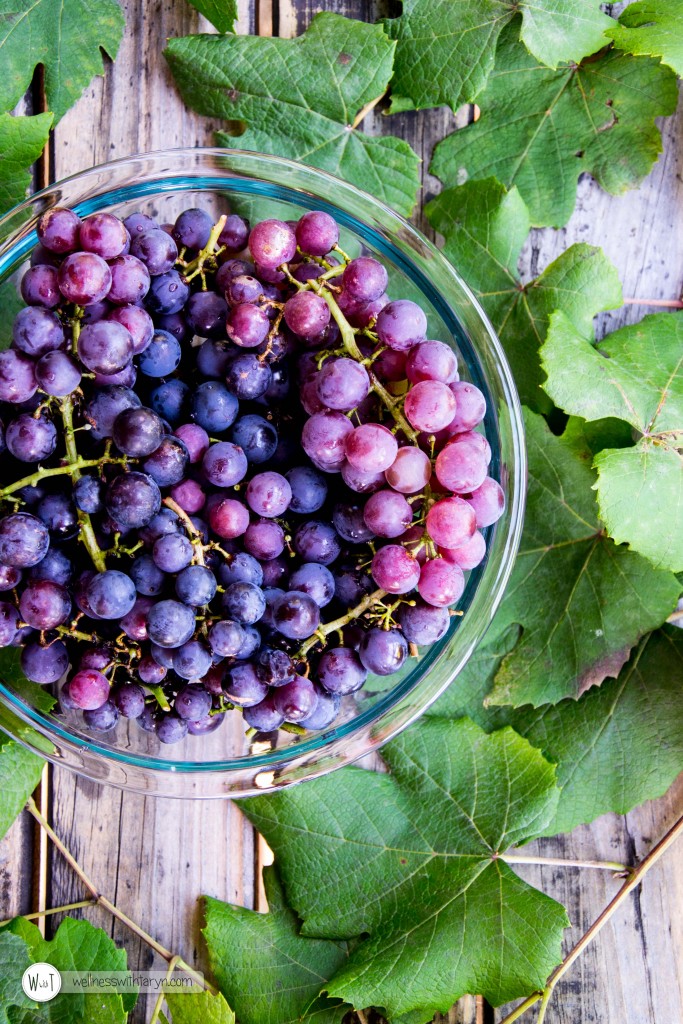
{"type": "Point", "coordinates": [296, 615]}
{"type": "Point", "coordinates": [88, 689]}
{"type": "Point", "coordinates": [243, 288]}
{"type": "Point", "coordinates": [247, 325]}
{"type": "Point", "coordinates": [341, 671]}
{"type": "Point", "coordinates": [224, 464]}
{"type": "Point", "coordinates": [57, 374]}
{"type": "Point", "coordinates": [387, 514]}
{"type": "Point", "coordinates": [58, 512]}
{"type": "Point", "coordinates": [105, 346]}
{"type": "Point", "coordinates": [111, 594]}
{"type": "Point", "coordinates": [17, 377]}
{"type": "Point", "coordinates": [10, 577]}
{"type": "Point", "coordinates": [470, 406]}
{"type": "Point", "coordinates": [350, 585]}
{"type": "Point", "coordinates": [40, 287]}
{"type": "Point", "coordinates": [235, 233]}
{"type": "Point", "coordinates": [205, 314]}
{"type": "Point", "coordinates": [264, 540]}
{"type": "Point", "coordinates": [431, 360]}
{"type": "Point", "coordinates": [467, 555]}
{"type": "Point", "coordinates": [206, 725]}
{"type": "Point", "coordinates": [324, 713]}
{"type": "Point", "coordinates": [137, 432]}
{"type": "Point", "coordinates": [264, 717]}
{"type": "Point", "coordinates": [272, 243]}
{"type": "Point", "coordinates": [44, 664]}
{"type": "Point", "coordinates": [256, 437]}
{"type": "Point", "coordinates": [132, 500]}
{"type": "Point", "coordinates": [24, 540]}
{"type": "Point", "coordinates": [441, 582]}
{"type": "Point", "coordinates": [105, 406]}
{"type": "Point", "coordinates": [360, 481]}
{"type": "Point", "coordinates": [9, 623]}
{"type": "Point", "coordinates": [316, 541]}
{"type": "Point", "coordinates": [401, 324]}
{"type": "Point", "coordinates": [170, 624]}
{"type": "Point", "coordinates": [58, 230]}
{"type": "Point", "coordinates": [488, 502]}
{"type": "Point", "coordinates": [243, 687]}
{"type": "Point", "coordinates": [296, 700]}
{"type": "Point", "coordinates": [422, 623]}
{"type": "Point", "coordinates": [450, 522]}
{"type": "Point", "coordinates": [36, 331]}
{"type": "Point", "coordinates": [395, 569]}
{"type": "Point", "coordinates": [268, 494]}
{"type": "Point", "coordinates": [130, 280]}
{"type": "Point", "coordinates": [192, 661]}
{"type": "Point", "coordinates": [168, 464]}
{"type": "Point", "coordinates": [383, 651]}
{"type": "Point", "coordinates": [189, 495]}
{"type": "Point", "coordinates": [242, 568]}
{"type": "Point", "coordinates": [342, 384]}
{"type": "Point", "coordinates": [324, 439]}
{"type": "Point", "coordinates": [244, 602]}
{"type": "Point", "coordinates": [192, 228]}
{"type": "Point", "coordinates": [315, 580]}
{"type": "Point", "coordinates": [247, 377]}
{"type": "Point", "coordinates": [365, 279]}
{"type": "Point", "coordinates": [429, 406]}
{"type": "Point", "coordinates": [103, 234]}
{"type": "Point", "coordinates": [274, 667]}
{"type": "Point", "coordinates": [102, 719]}
{"type": "Point", "coordinates": [171, 729]}
{"type": "Point", "coordinates": [307, 315]}
{"type": "Point", "coordinates": [195, 439]}
{"type": "Point", "coordinates": [371, 448]}
{"type": "Point", "coordinates": [350, 524]}
{"type": "Point", "coordinates": [226, 638]}
{"type": "Point", "coordinates": [30, 439]}
{"type": "Point", "coordinates": [129, 699]}
{"type": "Point", "coordinates": [316, 233]}
{"type": "Point", "coordinates": [167, 294]}
{"type": "Point", "coordinates": [136, 223]}
{"type": "Point", "coordinates": [172, 552]}
{"type": "Point", "coordinates": [84, 277]}
{"type": "Point", "coordinates": [156, 249]}
{"type": "Point", "coordinates": [461, 467]}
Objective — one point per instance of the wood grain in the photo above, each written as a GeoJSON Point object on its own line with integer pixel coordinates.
{"type": "Point", "coordinates": [153, 857]}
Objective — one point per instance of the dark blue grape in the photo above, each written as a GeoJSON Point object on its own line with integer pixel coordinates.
{"type": "Point", "coordinates": [44, 664]}
{"type": "Point", "coordinates": [383, 651]}
{"type": "Point", "coordinates": [88, 494]}
{"type": "Point", "coordinates": [213, 358]}
{"type": "Point", "coordinates": [30, 439]}
{"type": "Point", "coordinates": [162, 355]}
{"type": "Point", "coordinates": [168, 464]}
{"type": "Point", "coordinates": [172, 552]}
{"type": "Point", "coordinates": [171, 729]}
{"type": "Point", "coordinates": [244, 602]}
{"type": "Point", "coordinates": [171, 400]}
{"type": "Point", "coordinates": [341, 671]}
{"type": "Point", "coordinates": [133, 500]}
{"type": "Point", "coordinates": [192, 228]}
{"type": "Point", "coordinates": [170, 624]}
{"type": "Point", "coordinates": [314, 579]}
{"type": "Point", "coordinates": [274, 667]}
{"type": "Point", "coordinates": [317, 542]}
{"type": "Point", "coordinates": [309, 489]}
{"type": "Point", "coordinates": [24, 540]}
{"type": "Point", "coordinates": [243, 687]}
{"type": "Point", "coordinates": [349, 523]}
{"type": "Point", "coordinates": [296, 700]}
{"type": "Point", "coordinates": [59, 514]}
{"type": "Point", "coordinates": [168, 293]}
{"type": "Point", "coordinates": [147, 576]}
{"type": "Point", "coordinates": [102, 719]}
{"type": "Point", "coordinates": [138, 432]}
{"type": "Point", "coordinates": [226, 638]}
{"type": "Point", "coordinates": [224, 464]}
{"type": "Point", "coordinates": [196, 585]}
{"type": "Point", "coordinates": [214, 407]}
{"type": "Point", "coordinates": [111, 594]}
{"type": "Point", "coordinates": [192, 661]}
{"type": "Point", "coordinates": [256, 437]}
{"type": "Point", "coordinates": [107, 403]}
{"type": "Point", "coordinates": [296, 615]}
{"type": "Point", "coordinates": [247, 376]}
{"type": "Point", "coordinates": [242, 568]}
{"type": "Point", "coordinates": [264, 717]}
{"type": "Point", "coordinates": [205, 313]}
{"type": "Point", "coordinates": [155, 248]}
{"type": "Point", "coordinates": [56, 566]}
{"type": "Point", "coordinates": [325, 711]}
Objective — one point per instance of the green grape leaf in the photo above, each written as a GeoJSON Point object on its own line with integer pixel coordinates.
{"type": "Point", "coordinates": [10, 304]}
{"type": "Point", "coordinates": [192, 1007]}
{"type": "Point", "coordinates": [653, 27]}
{"type": "Point", "coordinates": [446, 48]}
{"type": "Point", "coordinates": [221, 13]}
{"type": "Point", "coordinates": [65, 38]}
{"type": "Point", "coordinates": [582, 602]}
{"type": "Point", "coordinates": [316, 86]}
{"type": "Point", "coordinates": [22, 140]}
{"type": "Point", "coordinates": [635, 374]}
{"type": "Point", "coordinates": [77, 946]}
{"type": "Point", "coordinates": [412, 859]}
{"type": "Point", "coordinates": [19, 775]}
{"type": "Point", "coordinates": [292, 969]}
{"type": "Point", "coordinates": [14, 959]}
{"type": "Point", "coordinates": [615, 747]}
{"type": "Point", "coordinates": [540, 129]}
{"type": "Point", "coordinates": [485, 227]}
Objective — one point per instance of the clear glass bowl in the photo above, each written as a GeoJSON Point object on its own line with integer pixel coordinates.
{"type": "Point", "coordinates": [226, 763]}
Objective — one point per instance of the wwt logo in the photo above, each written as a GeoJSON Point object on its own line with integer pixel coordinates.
{"type": "Point", "coordinates": [41, 982]}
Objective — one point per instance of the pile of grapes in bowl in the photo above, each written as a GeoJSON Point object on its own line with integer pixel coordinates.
{"type": "Point", "coordinates": [261, 473]}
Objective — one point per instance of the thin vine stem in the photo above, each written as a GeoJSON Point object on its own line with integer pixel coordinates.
{"type": "Point", "coordinates": [208, 253]}
{"type": "Point", "coordinates": [635, 877]}
{"type": "Point", "coordinates": [663, 303]}
{"type": "Point", "coordinates": [561, 862]}
{"type": "Point", "coordinates": [72, 469]}
{"type": "Point", "coordinates": [107, 904]}
{"type": "Point", "coordinates": [326, 628]}
{"type": "Point", "coordinates": [194, 534]}
{"type": "Point", "coordinates": [52, 910]}
{"type": "Point", "coordinates": [161, 998]}
{"type": "Point", "coordinates": [87, 532]}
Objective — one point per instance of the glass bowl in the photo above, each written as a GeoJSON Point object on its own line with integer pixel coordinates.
{"type": "Point", "coordinates": [227, 763]}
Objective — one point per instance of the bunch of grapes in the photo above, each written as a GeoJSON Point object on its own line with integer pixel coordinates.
{"type": "Point", "coordinates": [235, 474]}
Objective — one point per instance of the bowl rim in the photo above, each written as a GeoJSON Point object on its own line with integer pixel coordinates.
{"type": "Point", "coordinates": [238, 164]}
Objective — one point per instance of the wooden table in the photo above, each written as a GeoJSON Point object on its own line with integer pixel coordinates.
{"type": "Point", "coordinates": [155, 857]}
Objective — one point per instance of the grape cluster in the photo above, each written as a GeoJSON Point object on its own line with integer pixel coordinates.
{"type": "Point", "coordinates": [234, 473]}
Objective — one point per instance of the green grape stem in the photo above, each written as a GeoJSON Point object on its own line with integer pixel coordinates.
{"type": "Point", "coordinates": [207, 254]}
{"type": "Point", "coordinates": [191, 529]}
{"type": "Point", "coordinates": [87, 532]}
{"type": "Point", "coordinates": [324, 630]}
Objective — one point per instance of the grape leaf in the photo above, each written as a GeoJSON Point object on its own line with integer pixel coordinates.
{"type": "Point", "coordinates": [540, 129]}
{"type": "Point", "coordinates": [19, 775]}
{"type": "Point", "coordinates": [615, 747]}
{"type": "Point", "coordinates": [653, 27]}
{"type": "Point", "coordinates": [14, 959]}
{"type": "Point", "coordinates": [10, 304]}
{"type": "Point", "coordinates": [411, 858]}
{"type": "Point", "coordinates": [76, 946]}
{"type": "Point", "coordinates": [582, 601]}
{"type": "Point", "coordinates": [21, 142]}
{"type": "Point", "coordinates": [485, 227]}
{"type": "Point", "coordinates": [635, 374]}
{"type": "Point", "coordinates": [189, 1008]}
{"type": "Point", "coordinates": [65, 38]}
{"type": "Point", "coordinates": [291, 969]}
{"type": "Point", "coordinates": [446, 48]}
{"type": "Point", "coordinates": [306, 105]}
{"type": "Point", "coordinates": [221, 13]}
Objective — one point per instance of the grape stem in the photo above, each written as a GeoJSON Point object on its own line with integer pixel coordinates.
{"type": "Point", "coordinates": [336, 624]}
{"type": "Point", "coordinates": [106, 904]}
{"type": "Point", "coordinates": [87, 533]}
{"type": "Point", "coordinates": [194, 534]}
{"type": "Point", "coordinates": [52, 910]}
{"type": "Point", "coordinates": [635, 877]}
{"type": "Point", "coordinates": [348, 336]}
{"type": "Point", "coordinates": [196, 266]}
{"type": "Point", "coordinates": [70, 469]}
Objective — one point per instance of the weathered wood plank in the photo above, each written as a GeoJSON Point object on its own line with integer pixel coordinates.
{"type": "Point", "coordinates": [152, 857]}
